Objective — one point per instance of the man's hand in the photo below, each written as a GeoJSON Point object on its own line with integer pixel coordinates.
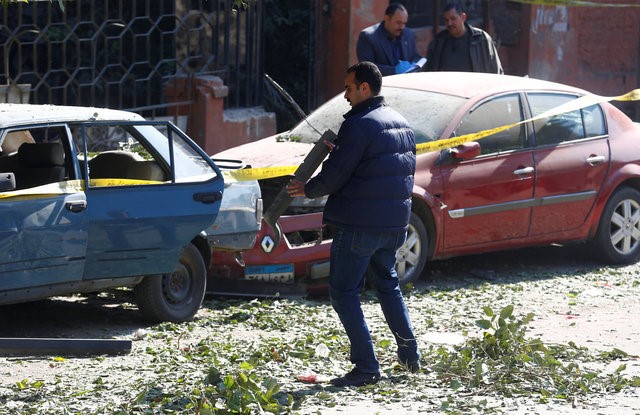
{"type": "Point", "coordinates": [295, 188]}
{"type": "Point", "coordinates": [403, 66]}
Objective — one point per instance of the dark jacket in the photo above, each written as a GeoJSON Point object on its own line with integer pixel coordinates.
{"type": "Point", "coordinates": [375, 45]}
{"type": "Point", "coordinates": [484, 56]}
{"type": "Point", "coordinates": [369, 174]}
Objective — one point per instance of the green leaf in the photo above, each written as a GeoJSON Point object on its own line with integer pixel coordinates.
{"type": "Point", "coordinates": [502, 324]}
{"type": "Point", "coordinates": [621, 368]}
{"type": "Point", "coordinates": [483, 324]}
{"type": "Point", "coordinates": [385, 344]}
{"type": "Point", "coordinates": [487, 311]}
{"type": "Point", "coordinates": [506, 312]}
{"type": "Point", "coordinates": [243, 377]}
{"type": "Point", "coordinates": [23, 384]}
{"type": "Point", "coordinates": [228, 381]}
{"type": "Point", "coordinates": [246, 366]}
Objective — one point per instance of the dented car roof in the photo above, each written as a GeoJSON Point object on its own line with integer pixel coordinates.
{"type": "Point", "coordinates": [16, 114]}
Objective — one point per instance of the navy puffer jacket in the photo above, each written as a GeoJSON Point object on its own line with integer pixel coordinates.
{"type": "Point", "coordinates": [369, 174]}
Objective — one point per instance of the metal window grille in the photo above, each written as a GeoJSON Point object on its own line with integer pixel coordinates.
{"type": "Point", "coordinates": [121, 54]}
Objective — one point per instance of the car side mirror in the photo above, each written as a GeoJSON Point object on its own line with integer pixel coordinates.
{"type": "Point", "coordinates": [7, 182]}
{"type": "Point", "coordinates": [466, 151]}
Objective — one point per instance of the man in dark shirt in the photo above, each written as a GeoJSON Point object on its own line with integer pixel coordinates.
{"type": "Point", "coordinates": [462, 47]}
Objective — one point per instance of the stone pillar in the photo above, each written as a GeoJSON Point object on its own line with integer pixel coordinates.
{"type": "Point", "coordinates": [211, 126]}
{"type": "Point", "coordinates": [206, 111]}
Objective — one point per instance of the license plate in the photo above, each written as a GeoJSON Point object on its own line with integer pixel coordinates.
{"type": "Point", "coordinates": [270, 273]}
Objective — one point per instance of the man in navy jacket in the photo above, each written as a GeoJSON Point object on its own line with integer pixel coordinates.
{"type": "Point", "coordinates": [369, 179]}
{"type": "Point", "coordinates": [388, 44]}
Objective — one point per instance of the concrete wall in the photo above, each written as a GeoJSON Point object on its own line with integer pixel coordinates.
{"type": "Point", "coordinates": [211, 126]}
{"type": "Point", "coordinates": [590, 47]}
{"type": "Point", "coordinates": [595, 48]}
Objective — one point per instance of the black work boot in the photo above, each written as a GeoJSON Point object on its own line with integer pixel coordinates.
{"type": "Point", "coordinates": [356, 378]}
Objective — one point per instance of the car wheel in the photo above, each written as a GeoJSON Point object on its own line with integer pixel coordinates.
{"type": "Point", "coordinates": [412, 255]}
{"type": "Point", "coordinates": [176, 296]}
{"type": "Point", "coordinates": [618, 238]}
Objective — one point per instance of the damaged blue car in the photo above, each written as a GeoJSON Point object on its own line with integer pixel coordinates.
{"type": "Point", "coordinates": [92, 199]}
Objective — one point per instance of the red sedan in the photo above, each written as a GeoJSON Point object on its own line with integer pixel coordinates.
{"type": "Point", "coordinates": [562, 178]}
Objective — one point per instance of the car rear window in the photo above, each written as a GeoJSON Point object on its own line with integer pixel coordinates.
{"type": "Point", "coordinates": [568, 126]}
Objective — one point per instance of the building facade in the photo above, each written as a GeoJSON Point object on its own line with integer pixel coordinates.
{"type": "Point", "coordinates": [596, 48]}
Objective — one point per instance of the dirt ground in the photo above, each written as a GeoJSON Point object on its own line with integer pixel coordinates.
{"type": "Point", "coordinates": [573, 299]}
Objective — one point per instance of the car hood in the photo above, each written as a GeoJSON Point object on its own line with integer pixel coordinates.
{"type": "Point", "coordinates": [268, 152]}
{"type": "Point", "coordinates": [274, 152]}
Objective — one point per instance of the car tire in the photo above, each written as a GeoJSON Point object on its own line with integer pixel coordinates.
{"type": "Point", "coordinates": [176, 296]}
{"type": "Point", "coordinates": [411, 258]}
{"type": "Point", "coordinates": [618, 238]}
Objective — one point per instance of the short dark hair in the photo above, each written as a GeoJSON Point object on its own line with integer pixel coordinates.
{"type": "Point", "coordinates": [393, 7]}
{"type": "Point", "coordinates": [368, 72]}
{"type": "Point", "coordinates": [455, 5]}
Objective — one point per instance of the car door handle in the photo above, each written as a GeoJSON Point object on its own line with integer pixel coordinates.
{"type": "Point", "coordinates": [207, 197]}
{"type": "Point", "coordinates": [593, 160]}
{"type": "Point", "coordinates": [524, 170]}
{"type": "Point", "coordinates": [77, 206]}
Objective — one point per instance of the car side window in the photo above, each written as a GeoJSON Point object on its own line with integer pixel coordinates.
{"type": "Point", "coordinates": [116, 156]}
{"type": "Point", "coordinates": [593, 118]}
{"type": "Point", "coordinates": [500, 111]}
{"type": "Point", "coordinates": [36, 156]}
{"type": "Point", "coordinates": [567, 126]}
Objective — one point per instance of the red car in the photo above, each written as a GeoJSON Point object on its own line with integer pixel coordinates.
{"type": "Point", "coordinates": [567, 177]}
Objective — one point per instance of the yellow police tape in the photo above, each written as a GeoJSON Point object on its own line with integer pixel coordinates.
{"type": "Point", "coordinates": [69, 186]}
{"type": "Point", "coordinates": [578, 103]}
{"type": "Point", "coordinates": [258, 173]}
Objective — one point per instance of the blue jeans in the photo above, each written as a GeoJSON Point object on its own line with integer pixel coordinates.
{"type": "Point", "coordinates": [351, 253]}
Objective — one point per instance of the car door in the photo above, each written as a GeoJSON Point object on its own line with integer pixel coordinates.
{"type": "Point", "coordinates": [488, 198]}
{"type": "Point", "coordinates": [571, 159]}
{"type": "Point", "coordinates": [150, 192]}
{"type": "Point", "coordinates": [43, 230]}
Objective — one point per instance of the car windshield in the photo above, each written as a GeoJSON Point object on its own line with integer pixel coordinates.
{"type": "Point", "coordinates": [428, 114]}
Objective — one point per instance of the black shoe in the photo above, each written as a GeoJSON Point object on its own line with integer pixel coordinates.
{"type": "Point", "coordinates": [412, 367]}
{"type": "Point", "coordinates": [356, 378]}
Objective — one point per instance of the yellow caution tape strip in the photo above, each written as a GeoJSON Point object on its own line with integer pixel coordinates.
{"type": "Point", "coordinates": [259, 173]}
{"type": "Point", "coordinates": [70, 186]}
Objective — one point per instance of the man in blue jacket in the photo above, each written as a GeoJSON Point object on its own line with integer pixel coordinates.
{"type": "Point", "coordinates": [388, 44]}
{"type": "Point", "coordinates": [369, 179]}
